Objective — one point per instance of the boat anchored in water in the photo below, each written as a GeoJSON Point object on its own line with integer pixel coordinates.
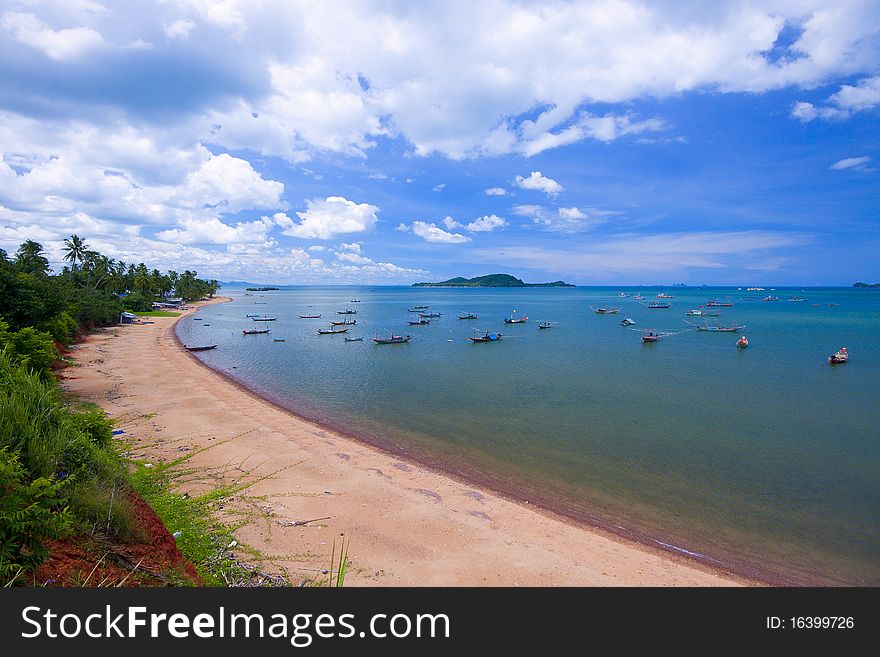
{"type": "Point", "coordinates": [626, 321]}
{"type": "Point", "coordinates": [513, 319]}
{"type": "Point", "coordinates": [334, 329]}
{"type": "Point", "coordinates": [310, 317]}
{"type": "Point", "coordinates": [254, 331]}
{"type": "Point", "coordinates": [650, 335]}
{"type": "Point", "coordinates": [838, 357]}
{"type": "Point", "coordinates": [418, 321]}
{"type": "Point", "coordinates": [484, 336]}
{"type": "Point", "coordinates": [719, 304]}
{"type": "Point", "coordinates": [657, 304]}
{"type": "Point", "coordinates": [602, 310]}
{"type": "Point", "coordinates": [200, 348]}
{"type": "Point", "coordinates": [394, 339]}
{"type": "Point", "coordinates": [359, 338]}
{"type": "Point", "coordinates": [721, 328]}
{"type": "Point", "coordinates": [743, 342]}
{"type": "Point", "coordinates": [264, 319]}
{"type": "Point", "coordinates": [467, 316]}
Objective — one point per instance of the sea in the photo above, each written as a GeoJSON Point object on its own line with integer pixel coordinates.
{"type": "Point", "coordinates": [764, 461]}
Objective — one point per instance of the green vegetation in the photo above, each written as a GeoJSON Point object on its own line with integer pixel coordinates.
{"type": "Point", "coordinates": [866, 285]}
{"type": "Point", "coordinates": [491, 280]}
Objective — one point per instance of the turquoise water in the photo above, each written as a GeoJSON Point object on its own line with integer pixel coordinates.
{"type": "Point", "coordinates": [764, 460]}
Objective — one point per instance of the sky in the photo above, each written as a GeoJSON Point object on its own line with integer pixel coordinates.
{"type": "Point", "coordinates": [380, 142]}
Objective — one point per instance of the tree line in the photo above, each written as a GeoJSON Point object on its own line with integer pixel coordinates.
{"type": "Point", "coordinates": [40, 309]}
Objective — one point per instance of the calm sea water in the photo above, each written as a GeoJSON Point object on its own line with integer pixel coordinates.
{"type": "Point", "coordinates": [766, 460]}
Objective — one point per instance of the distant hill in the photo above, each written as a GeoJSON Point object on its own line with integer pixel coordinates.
{"type": "Point", "coordinates": [491, 280]}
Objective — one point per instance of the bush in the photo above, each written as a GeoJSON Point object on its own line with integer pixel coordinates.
{"type": "Point", "coordinates": [137, 303]}
{"type": "Point", "coordinates": [62, 327]}
{"type": "Point", "coordinates": [94, 423]}
{"type": "Point", "coordinates": [31, 512]}
{"type": "Point", "coordinates": [31, 348]}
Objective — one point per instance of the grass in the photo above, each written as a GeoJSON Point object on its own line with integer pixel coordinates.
{"type": "Point", "coordinates": [158, 313]}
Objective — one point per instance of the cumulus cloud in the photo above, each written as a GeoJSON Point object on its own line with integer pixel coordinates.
{"type": "Point", "coordinates": [213, 231]}
{"type": "Point", "coordinates": [60, 45]}
{"type": "Point", "coordinates": [848, 100]}
{"type": "Point", "coordinates": [431, 233]}
{"type": "Point", "coordinates": [326, 219]}
{"type": "Point", "coordinates": [495, 191]}
{"type": "Point", "coordinates": [485, 224]}
{"type": "Point", "coordinates": [538, 181]}
{"type": "Point", "coordinates": [179, 29]}
{"type": "Point", "coordinates": [855, 163]}
{"type": "Point", "coordinates": [353, 247]}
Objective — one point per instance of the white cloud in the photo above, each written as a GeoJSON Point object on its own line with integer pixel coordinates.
{"type": "Point", "coordinates": [228, 184]}
{"type": "Point", "coordinates": [213, 231]}
{"type": "Point", "coordinates": [538, 182]}
{"type": "Point", "coordinates": [451, 223]}
{"type": "Point", "coordinates": [329, 218]}
{"type": "Point", "coordinates": [353, 247]}
{"type": "Point", "coordinates": [486, 223]}
{"type": "Point", "coordinates": [571, 213]}
{"type": "Point", "coordinates": [403, 228]}
{"type": "Point", "coordinates": [439, 188]}
{"type": "Point", "coordinates": [856, 163]}
{"type": "Point", "coordinates": [848, 100]}
{"type": "Point", "coordinates": [563, 220]}
{"type": "Point", "coordinates": [496, 191]}
{"type": "Point", "coordinates": [60, 45]}
{"type": "Point", "coordinates": [431, 233]}
{"type": "Point", "coordinates": [355, 258]}
{"type": "Point", "coordinates": [179, 29]}
{"type": "Point", "coordinates": [317, 248]}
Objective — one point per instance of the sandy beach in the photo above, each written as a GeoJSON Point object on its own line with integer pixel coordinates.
{"type": "Point", "coordinates": [408, 525]}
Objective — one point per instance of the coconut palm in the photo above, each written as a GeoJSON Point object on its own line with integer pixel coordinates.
{"type": "Point", "coordinates": [29, 258]}
{"type": "Point", "coordinates": [75, 250]}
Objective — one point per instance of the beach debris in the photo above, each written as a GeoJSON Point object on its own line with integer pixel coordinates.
{"type": "Point", "coordinates": [300, 523]}
{"type": "Point", "coordinates": [117, 432]}
{"type": "Point", "coordinates": [149, 465]}
{"type": "Point", "coordinates": [177, 534]}
{"type": "Point", "coordinates": [232, 545]}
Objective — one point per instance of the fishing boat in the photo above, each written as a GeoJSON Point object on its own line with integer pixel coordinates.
{"type": "Point", "coordinates": [719, 304]}
{"type": "Point", "coordinates": [545, 325]}
{"type": "Point", "coordinates": [394, 339]}
{"type": "Point", "coordinates": [351, 339]}
{"type": "Point", "coordinates": [638, 297]}
{"type": "Point", "coordinates": [467, 316]}
{"type": "Point", "coordinates": [663, 295]}
{"type": "Point", "coordinates": [278, 340]}
{"type": "Point", "coordinates": [755, 289]}
{"type": "Point", "coordinates": [418, 321]}
{"type": "Point", "coordinates": [264, 319]}
{"type": "Point", "coordinates": [838, 357]}
{"type": "Point", "coordinates": [429, 315]}
{"type": "Point", "coordinates": [770, 297]}
{"type": "Point", "coordinates": [729, 328]}
{"type": "Point", "coordinates": [605, 311]}
{"type": "Point", "coordinates": [254, 331]}
{"type": "Point", "coordinates": [344, 322]}
{"type": "Point", "coordinates": [354, 301]}
{"type": "Point", "coordinates": [201, 348]}
{"type": "Point", "coordinates": [485, 336]}
{"type": "Point", "coordinates": [422, 307]}
{"type": "Point", "coordinates": [257, 315]}
{"type": "Point", "coordinates": [346, 312]}
{"type": "Point", "coordinates": [513, 319]}
{"type": "Point", "coordinates": [309, 316]}
{"type": "Point", "coordinates": [657, 304]}
{"type": "Point", "coordinates": [623, 295]}
{"type": "Point", "coordinates": [626, 321]}
{"type": "Point", "coordinates": [796, 299]}
{"type": "Point", "coordinates": [743, 342]}
{"type": "Point", "coordinates": [650, 335]}
{"type": "Point", "coordinates": [695, 311]}
{"type": "Point", "coordinates": [332, 330]}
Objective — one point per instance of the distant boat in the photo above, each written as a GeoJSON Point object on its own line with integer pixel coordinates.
{"type": "Point", "coordinates": [743, 342]}
{"type": "Point", "coordinates": [650, 335]}
{"type": "Point", "coordinates": [638, 297]}
{"type": "Point", "coordinates": [254, 331]}
{"type": "Point", "coordinates": [626, 321]}
{"type": "Point", "coordinates": [354, 301]}
{"type": "Point", "coordinates": [545, 325]}
{"type": "Point", "coordinates": [252, 315]}
{"type": "Point", "coordinates": [719, 304]}
{"type": "Point", "coordinates": [394, 339]}
{"type": "Point", "coordinates": [418, 321]}
{"type": "Point", "coordinates": [264, 319]}
{"type": "Point", "coordinates": [344, 322]}
{"type": "Point", "coordinates": [770, 297]}
{"type": "Point", "coordinates": [623, 295]}
{"type": "Point", "coordinates": [694, 311]}
{"type": "Point", "coordinates": [429, 315]}
{"type": "Point", "coordinates": [346, 312]}
{"type": "Point", "coordinates": [605, 311]}
{"type": "Point", "coordinates": [755, 289]}
{"type": "Point", "coordinates": [332, 330]}
{"type": "Point", "coordinates": [663, 295]}
{"type": "Point", "coordinates": [730, 328]}
{"type": "Point", "coordinates": [201, 348]}
{"type": "Point", "coordinates": [422, 307]}
{"type": "Point", "coordinates": [467, 316]}
{"type": "Point", "coordinates": [838, 357]}
{"type": "Point", "coordinates": [513, 319]}
{"type": "Point", "coordinates": [279, 340]}
{"type": "Point", "coordinates": [796, 299]}
{"type": "Point", "coordinates": [657, 304]}
{"type": "Point", "coordinates": [309, 316]}
{"type": "Point", "coordinates": [357, 339]}
{"type": "Point", "coordinates": [485, 336]}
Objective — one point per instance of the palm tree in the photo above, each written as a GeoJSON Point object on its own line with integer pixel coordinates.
{"type": "Point", "coordinates": [75, 249]}
{"type": "Point", "coordinates": [30, 259]}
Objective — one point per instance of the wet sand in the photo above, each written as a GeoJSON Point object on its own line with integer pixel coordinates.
{"type": "Point", "coordinates": [408, 525]}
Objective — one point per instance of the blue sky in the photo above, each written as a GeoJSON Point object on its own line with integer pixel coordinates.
{"type": "Point", "coordinates": [610, 142]}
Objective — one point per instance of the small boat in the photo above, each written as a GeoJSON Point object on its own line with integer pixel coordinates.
{"type": "Point", "coordinates": [694, 311]}
{"type": "Point", "coordinates": [638, 297]}
{"type": "Point", "coordinates": [422, 307]}
{"type": "Point", "coordinates": [344, 322]}
{"type": "Point", "coordinates": [770, 297]}
{"type": "Point", "coordinates": [626, 321]}
{"type": "Point", "coordinates": [251, 315]}
{"type": "Point", "coordinates": [467, 316]}
{"type": "Point", "coordinates": [421, 321]}
{"type": "Point", "coordinates": [429, 315]}
{"type": "Point", "coordinates": [796, 299]}
{"type": "Point", "coordinates": [663, 295]}
{"type": "Point", "coordinates": [354, 301]}
{"type": "Point", "coordinates": [659, 305]}
{"type": "Point", "coordinates": [755, 289]}
{"type": "Point", "coordinates": [254, 331]}
{"type": "Point", "coordinates": [743, 342]}
{"type": "Point", "coordinates": [731, 328]}
{"type": "Point", "coordinates": [264, 319]}
{"type": "Point", "coordinates": [513, 319]}
{"type": "Point", "coordinates": [197, 318]}
{"type": "Point", "coordinates": [544, 325]}
{"type": "Point", "coordinates": [201, 348]}
{"type": "Point", "coordinates": [332, 330]}
{"type": "Point", "coordinates": [485, 336]}
{"type": "Point", "coordinates": [605, 311]}
{"type": "Point", "coordinates": [650, 335]}
{"type": "Point", "coordinates": [357, 339]}
{"type": "Point", "coordinates": [838, 357]}
{"type": "Point", "coordinates": [394, 339]}
{"type": "Point", "coordinates": [623, 295]}
{"type": "Point", "coordinates": [346, 312]}
{"type": "Point", "coordinates": [719, 304]}
{"type": "Point", "coordinates": [278, 340]}
{"type": "Point", "coordinates": [309, 316]}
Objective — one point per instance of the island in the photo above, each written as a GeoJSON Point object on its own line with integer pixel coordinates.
{"type": "Point", "coordinates": [866, 285]}
{"type": "Point", "coordinates": [261, 289]}
{"type": "Point", "coordinates": [491, 280]}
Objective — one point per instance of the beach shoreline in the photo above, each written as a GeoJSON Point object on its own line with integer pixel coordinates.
{"type": "Point", "coordinates": [410, 523]}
